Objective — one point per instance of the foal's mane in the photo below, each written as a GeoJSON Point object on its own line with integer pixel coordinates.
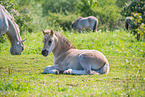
{"type": "Point", "coordinates": [65, 43]}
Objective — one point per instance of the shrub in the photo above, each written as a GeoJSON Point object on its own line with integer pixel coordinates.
{"type": "Point", "coordinates": [64, 20]}
{"type": "Point", "coordinates": [135, 9]}
{"type": "Point", "coordinates": [58, 6]}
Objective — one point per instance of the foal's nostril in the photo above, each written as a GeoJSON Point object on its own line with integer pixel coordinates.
{"type": "Point", "coordinates": [44, 52]}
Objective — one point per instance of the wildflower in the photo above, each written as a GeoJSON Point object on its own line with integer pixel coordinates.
{"type": "Point", "coordinates": [140, 17]}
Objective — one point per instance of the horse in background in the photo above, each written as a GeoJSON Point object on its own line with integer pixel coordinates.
{"type": "Point", "coordinates": [128, 22]}
{"type": "Point", "coordinates": [90, 22]}
{"type": "Point", "coordinates": [8, 26]}
{"type": "Point", "coordinates": [69, 60]}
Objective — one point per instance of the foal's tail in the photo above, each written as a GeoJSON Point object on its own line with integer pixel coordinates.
{"type": "Point", "coordinates": [95, 26]}
{"type": "Point", "coordinates": [104, 69]}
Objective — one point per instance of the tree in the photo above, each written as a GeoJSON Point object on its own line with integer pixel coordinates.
{"type": "Point", "coordinates": [85, 7]}
{"type": "Point", "coordinates": [121, 3]}
{"type": "Point", "coordinates": [135, 10]}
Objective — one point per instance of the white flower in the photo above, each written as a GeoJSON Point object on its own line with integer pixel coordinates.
{"type": "Point", "coordinates": [140, 17]}
{"type": "Point", "coordinates": [135, 14]}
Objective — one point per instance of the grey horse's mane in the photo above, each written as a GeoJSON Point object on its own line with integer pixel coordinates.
{"type": "Point", "coordinates": [66, 44]}
{"type": "Point", "coordinates": [11, 20]}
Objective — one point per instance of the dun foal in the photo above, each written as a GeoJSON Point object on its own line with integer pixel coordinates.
{"type": "Point", "coordinates": [69, 60]}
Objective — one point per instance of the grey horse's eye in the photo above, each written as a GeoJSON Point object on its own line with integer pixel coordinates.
{"type": "Point", "coordinates": [49, 42]}
{"type": "Point", "coordinates": [22, 48]}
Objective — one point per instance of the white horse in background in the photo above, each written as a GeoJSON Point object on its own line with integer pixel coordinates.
{"type": "Point", "coordinates": [8, 26]}
{"type": "Point", "coordinates": [90, 22]}
{"type": "Point", "coordinates": [69, 60]}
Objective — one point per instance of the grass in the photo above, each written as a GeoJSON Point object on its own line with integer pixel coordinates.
{"type": "Point", "coordinates": [23, 75]}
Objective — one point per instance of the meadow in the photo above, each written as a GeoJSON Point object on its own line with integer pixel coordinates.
{"type": "Point", "coordinates": [23, 75]}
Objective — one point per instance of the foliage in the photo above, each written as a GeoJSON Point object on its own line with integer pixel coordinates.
{"type": "Point", "coordinates": [2, 38]}
{"type": "Point", "coordinates": [85, 7]}
{"type": "Point", "coordinates": [35, 15]}
{"type": "Point", "coordinates": [58, 6]}
{"type": "Point", "coordinates": [7, 4]}
{"type": "Point", "coordinates": [109, 15]}
{"type": "Point", "coordinates": [136, 9]}
{"type": "Point", "coordinates": [63, 20]}
{"type": "Point", "coordinates": [121, 3]}
{"type": "Point", "coordinates": [34, 11]}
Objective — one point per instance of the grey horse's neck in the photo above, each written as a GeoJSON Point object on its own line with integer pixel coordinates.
{"type": "Point", "coordinates": [13, 34]}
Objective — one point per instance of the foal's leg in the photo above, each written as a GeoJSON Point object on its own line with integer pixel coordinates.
{"type": "Point", "coordinates": [85, 63]}
{"type": "Point", "coordinates": [72, 71]}
{"type": "Point", "coordinates": [51, 69]}
{"type": "Point", "coordinates": [79, 72]}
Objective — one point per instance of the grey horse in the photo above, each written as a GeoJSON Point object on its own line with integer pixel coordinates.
{"type": "Point", "coordinates": [11, 29]}
{"type": "Point", "coordinates": [90, 22]}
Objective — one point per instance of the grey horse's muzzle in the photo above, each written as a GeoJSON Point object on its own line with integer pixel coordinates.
{"type": "Point", "coordinates": [44, 52]}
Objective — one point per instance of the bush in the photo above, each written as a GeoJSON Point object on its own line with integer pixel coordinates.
{"type": "Point", "coordinates": [63, 20]}
{"type": "Point", "coordinates": [58, 6]}
{"type": "Point", "coordinates": [135, 9]}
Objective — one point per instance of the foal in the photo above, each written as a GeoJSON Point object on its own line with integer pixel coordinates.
{"type": "Point", "coordinates": [69, 60]}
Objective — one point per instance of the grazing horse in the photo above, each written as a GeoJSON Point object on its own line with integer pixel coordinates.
{"type": "Point", "coordinates": [128, 22]}
{"type": "Point", "coordinates": [69, 60]}
{"type": "Point", "coordinates": [90, 22]}
{"type": "Point", "coordinates": [8, 26]}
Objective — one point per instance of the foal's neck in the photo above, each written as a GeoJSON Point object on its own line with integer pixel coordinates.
{"type": "Point", "coordinates": [59, 49]}
{"type": "Point", "coordinates": [61, 46]}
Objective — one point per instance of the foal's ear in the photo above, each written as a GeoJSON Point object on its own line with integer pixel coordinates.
{"type": "Point", "coordinates": [43, 31]}
{"type": "Point", "coordinates": [52, 33]}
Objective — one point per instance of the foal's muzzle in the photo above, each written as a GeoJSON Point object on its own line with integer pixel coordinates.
{"type": "Point", "coordinates": [44, 52]}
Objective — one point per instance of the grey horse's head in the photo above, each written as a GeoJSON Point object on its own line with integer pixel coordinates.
{"type": "Point", "coordinates": [74, 24]}
{"type": "Point", "coordinates": [17, 48]}
{"type": "Point", "coordinates": [128, 23]}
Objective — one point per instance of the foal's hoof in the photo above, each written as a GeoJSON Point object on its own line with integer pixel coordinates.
{"type": "Point", "coordinates": [69, 71]}
{"type": "Point", "coordinates": [94, 73]}
{"type": "Point", "coordinates": [56, 71]}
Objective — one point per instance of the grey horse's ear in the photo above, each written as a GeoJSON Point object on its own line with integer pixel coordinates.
{"type": "Point", "coordinates": [43, 31]}
{"type": "Point", "coordinates": [52, 33]}
{"type": "Point", "coordinates": [23, 40]}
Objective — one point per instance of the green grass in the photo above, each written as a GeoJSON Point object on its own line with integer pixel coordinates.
{"type": "Point", "coordinates": [23, 75]}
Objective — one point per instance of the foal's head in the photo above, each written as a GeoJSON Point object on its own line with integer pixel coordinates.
{"type": "Point", "coordinates": [48, 41]}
